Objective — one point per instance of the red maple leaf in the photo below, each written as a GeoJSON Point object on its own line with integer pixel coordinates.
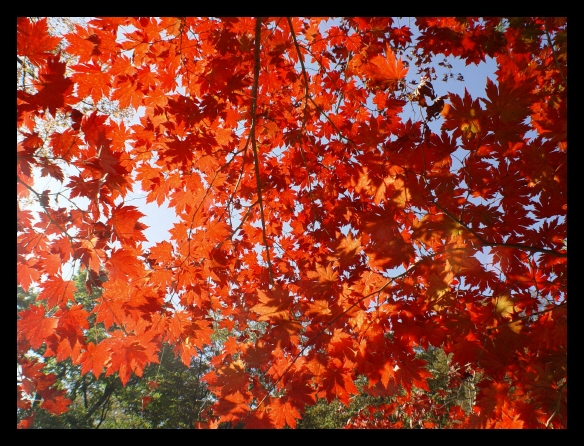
{"type": "Point", "coordinates": [274, 304]}
{"type": "Point", "coordinates": [55, 291]}
{"type": "Point", "coordinates": [385, 72]}
{"type": "Point", "coordinates": [92, 81]}
{"type": "Point", "coordinates": [55, 402]}
{"type": "Point", "coordinates": [283, 413]}
{"type": "Point", "coordinates": [33, 40]}
{"type": "Point", "coordinates": [34, 326]}
{"type": "Point", "coordinates": [126, 226]}
{"type": "Point", "coordinates": [83, 44]}
{"type": "Point", "coordinates": [53, 87]}
{"type": "Point", "coordinates": [130, 354]}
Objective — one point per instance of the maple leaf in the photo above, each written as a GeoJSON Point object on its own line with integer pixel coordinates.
{"type": "Point", "coordinates": [495, 397]}
{"type": "Point", "coordinates": [509, 101]}
{"type": "Point", "coordinates": [26, 272]}
{"type": "Point", "coordinates": [383, 243]}
{"type": "Point", "coordinates": [337, 381]}
{"type": "Point", "coordinates": [320, 307]}
{"type": "Point", "coordinates": [35, 326]}
{"type": "Point", "coordinates": [72, 323]}
{"type": "Point", "coordinates": [401, 36]}
{"type": "Point", "coordinates": [274, 304]}
{"type": "Point", "coordinates": [130, 354]}
{"type": "Point", "coordinates": [54, 401]}
{"type": "Point", "coordinates": [385, 72]}
{"type": "Point", "coordinates": [348, 247]}
{"type": "Point", "coordinates": [412, 374]}
{"type": "Point", "coordinates": [509, 422]}
{"type": "Point", "coordinates": [283, 413]}
{"type": "Point", "coordinates": [92, 81]}
{"type": "Point", "coordinates": [123, 264]}
{"type": "Point", "coordinates": [233, 407]}
{"type": "Point", "coordinates": [26, 422]}
{"type": "Point", "coordinates": [82, 43]}
{"type": "Point", "coordinates": [94, 358]}
{"type": "Point", "coordinates": [127, 93]}
{"type": "Point", "coordinates": [89, 254]}
{"type": "Point", "coordinates": [388, 373]}
{"type": "Point", "coordinates": [65, 145]}
{"type": "Point", "coordinates": [161, 252]}
{"type": "Point", "coordinates": [465, 116]}
{"type": "Point", "coordinates": [504, 306]}
{"type": "Point", "coordinates": [325, 278]}
{"type": "Point", "coordinates": [230, 378]}
{"type": "Point", "coordinates": [55, 291]}
{"type": "Point", "coordinates": [33, 40]}
{"type": "Point", "coordinates": [53, 171]}
{"type": "Point", "coordinates": [126, 227]}
{"type": "Point", "coordinates": [53, 86]}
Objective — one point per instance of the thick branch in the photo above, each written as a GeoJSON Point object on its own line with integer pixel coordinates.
{"type": "Point", "coordinates": [109, 389]}
{"type": "Point", "coordinates": [254, 96]}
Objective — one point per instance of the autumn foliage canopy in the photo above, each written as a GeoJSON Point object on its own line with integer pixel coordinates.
{"type": "Point", "coordinates": [333, 218]}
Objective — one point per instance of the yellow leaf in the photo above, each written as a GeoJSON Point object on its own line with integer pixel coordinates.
{"type": "Point", "coordinates": [504, 306]}
{"type": "Point", "coordinates": [516, 326]}
{"type": "Point", "coordinates": [348, 247]}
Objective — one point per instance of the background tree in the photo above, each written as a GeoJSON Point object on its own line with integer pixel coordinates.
{"type": "Point", "coordinates": [169, 395]}
{"type": "Point", "coordinates": [447, 388]}
{"type": "Point", "coordinates": [334, 219]}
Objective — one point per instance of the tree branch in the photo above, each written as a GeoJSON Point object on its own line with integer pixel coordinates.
{"type": "Point", "coordinates": [549, 39]}
{"type": "Point", "coordinates": [46, 210]}
{"type": "Point", "coordinates": [527, 316]}
{"type": "Point", "coordinates": [109, 389]}
{"type": "Point", "coordinates": [505, 245]}
{"type": "Point", "coordinates": [307, 97]}
{"type": "Point", "coordinates": [254, 96]}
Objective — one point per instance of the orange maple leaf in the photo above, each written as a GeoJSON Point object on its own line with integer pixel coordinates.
{"type": "Point", "coordinates": [130, 354]}
{"type": "Point", "coordinates": [35, 327]}
{"type": "Point", "coordinates": [54, 88]}
{"type": "Point", "coordinates": [57, 291]}
{"type": "Point", "coordinates": [34, 41]}
{"type": "Point", "coordinates": [385, 72]}
{"type": "Point", "coordinates": [274, 304]}
{"type": "Point", "coordinates": [94, 358]}
{"type": "Point", "coordinates": [127, 228]}
{"type": "Point", "coordinates": [230, 377]}
{"type": "Point", "coordinates": [123, 263]}
{"type": "Point", "coordinates": [283, 413]}
{"type": "Point", "coordinates": [91, 81]}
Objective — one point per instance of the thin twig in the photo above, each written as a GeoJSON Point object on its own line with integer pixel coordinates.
{"type": "Point", "coordinates": [528, 316]}
{"type": "Point", "coordinates": [45, 209]}
{"type": "Point", "coordinates": [504, 245]}
{"type": "Point", "coordinates": [554, 52]}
